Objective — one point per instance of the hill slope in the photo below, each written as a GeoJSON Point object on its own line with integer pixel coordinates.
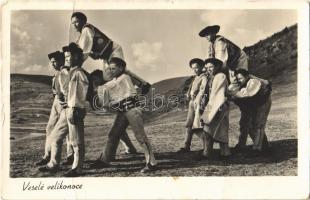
{"type": "Point", "coordinates": [274, 54]}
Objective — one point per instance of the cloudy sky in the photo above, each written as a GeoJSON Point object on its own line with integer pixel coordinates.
{"type": "Point", "coordinates": [157, 43]}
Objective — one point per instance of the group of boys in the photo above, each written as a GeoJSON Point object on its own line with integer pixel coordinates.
{"type": "Point", "coordinates": [114, 87]}
{"type": "Point", "coordinates": [70, 84]}
{"type": "Point", "coordinates": [221, 77]}
{"type": "Point", "coordinates": [73, 86]}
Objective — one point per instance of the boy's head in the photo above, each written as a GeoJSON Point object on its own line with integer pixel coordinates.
{"type": "Point", "coordinates": [116, 67]}
{"type": "Point", "coordinates": [73, 55]}
{"type": "Point", "coordinates": [78, 20]}
{"type": "Point", "coordinates": [96, 78]}
{"type": "Point", "coordinates": [214, 65]}
{"type": "Point", "coordinates": [57, 59]}
{"type": "Point", "coordinates": [242, 76]}
{"type": "Point", "coordinates": [197, 65]}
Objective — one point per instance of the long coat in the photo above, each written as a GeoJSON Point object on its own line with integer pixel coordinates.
{"type": "Point", "coordinates": [215, 116]}
{"type": "Point", "coordinates": [197, 92]}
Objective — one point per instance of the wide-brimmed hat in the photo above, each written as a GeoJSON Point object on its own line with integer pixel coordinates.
{"type": "Point", "coordinates": [117, 61]}
{"type": "Point", "coordinates": [73, 48]}
{"type": "Point", "coordinates": [199, 61]}
{"type": "Point", "coordinates": [215, 61]}
{"type": "Point", "coordinates": [57, 55]}
{"type": "Point", "coordinates": [209, 29]}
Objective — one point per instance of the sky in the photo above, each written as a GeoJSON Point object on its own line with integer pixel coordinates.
{"type": "Point", "coordinates": [157, 44]}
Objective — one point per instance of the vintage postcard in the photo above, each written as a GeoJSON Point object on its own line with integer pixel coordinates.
{"type": "Point", "coordinates": [155, 99]}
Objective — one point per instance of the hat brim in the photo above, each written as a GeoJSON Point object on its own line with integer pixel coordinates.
{"type": "Point", "coordinates": [214, 61]}
{"type": "Point", "coordinates": [199, 61]}
{"type": "Point", "coordinates": [208, 30]}
{"type": "Point", "coordinates": [56, 55]}
{"type": "Point", "coordinates": [73, 48]}
{"type": "Point", "coordinates": [50, 56]}
{"type": "Point", "coordinates": [118, 61]}
{"type": "Point", "coordinates": [65, 48]}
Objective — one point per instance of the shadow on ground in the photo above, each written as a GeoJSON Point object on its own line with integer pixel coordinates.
{"type": "Point", "coordinates": [281, 150]}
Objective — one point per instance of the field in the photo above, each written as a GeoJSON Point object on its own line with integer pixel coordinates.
{"type": "Point", "coordinates": [30, 106]}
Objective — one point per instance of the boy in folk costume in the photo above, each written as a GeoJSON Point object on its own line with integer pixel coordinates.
{"type": "Point", "coordinates": [57, 60]}
{"type": "Point", "coordinates": [97, 45]}
{"type": "Point", "coordinates": [72, 118]}
{"type": "Point", "coordinates": [253, 96]}
{"type": "Point", "coordinates": [96, 80]}
{"type": "Point", "coordinates": [215, 116]}
{"type": "Point", "coordinates": [194, 94]}
{"type": "Point", "coordinates": [119, 94]}
{"type": "Point", "coordinates": [232, 56]}
{"type": "Point", "coordinates": [76, 101]}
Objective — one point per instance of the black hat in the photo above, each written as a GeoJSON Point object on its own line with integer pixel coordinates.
{"type": "Point", "coordinates": [73, 48]}
{"type": "Point", "coordinates": [215, 61]}
{"type": "Point", "coordinates": [65, 48]}
{"type": "Point", "coordinates": [118, 61]}
{"type": "Point", "coordinates": [57, 55]}
{"type": "Point", "coordinates": [199, 61]}
{"type": "Point", "coordinates": [209, 29]}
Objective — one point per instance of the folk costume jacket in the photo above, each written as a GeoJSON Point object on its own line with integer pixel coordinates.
{"type": "Point", "coordinates": [254, 93]}
{"type": "Point", "coordinates": [215, 115]}
{"type": "Point", "coordinates": [55, 84]}
{"type": "Point", "coordinates": [63, 79]}
{"type": "Point", "coordinates": [116, 90]}
{"type": "Point", "coordinates": [77, 88]}
{"type": "Point", "coordinates": [197, 91]}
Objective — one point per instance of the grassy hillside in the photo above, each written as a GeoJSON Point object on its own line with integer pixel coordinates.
{"type": "Point", "coordinates": [31, 100]}
{"type": "Point", "coordinates": [164, 86]}
{"type": "Point", "coordinates": [275, 54]}
{"type": "Point", "coordinates": [33, 78]}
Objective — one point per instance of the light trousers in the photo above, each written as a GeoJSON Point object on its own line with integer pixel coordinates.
{"type": "Point", "coordinates": [52, 121]}
{"type": "Point", "coordinates": [132, 117]}
{"type": "Point", "coordinates": [75, 132]}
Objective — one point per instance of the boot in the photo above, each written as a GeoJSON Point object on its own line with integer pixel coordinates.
{"type": "Point", "coordinates": [241, 146]}
{"type": "Point", "coordinates": [72, 173]}
{"type": "Point", "coordinates": [49, 169]}
{"type": "Point", "coordinates": [98, 164]}
{"type": "Point", "coordinates": [69, 160]}
{"type": "Point", "coordinates": [148, 168]}
{"type": "Point", "coordinates": [224, 150]}
{"type": "Point", "coordinates": [187, 143]}
{"type": "Point", "coordinates": [259, 138]}
{"type": "Point", "coordinates": [42, 162]}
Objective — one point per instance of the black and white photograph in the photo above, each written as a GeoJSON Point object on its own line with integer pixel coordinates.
{"type": "Point", "coordinates": [163, 92]}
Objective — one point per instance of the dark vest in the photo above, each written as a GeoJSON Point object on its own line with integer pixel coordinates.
{"type": "Point", "coordinates": [102, 44]}
{"type": "Point", "coordinates": [205, 98]}
{"type": "Point", "coordinates": [234, 52]}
